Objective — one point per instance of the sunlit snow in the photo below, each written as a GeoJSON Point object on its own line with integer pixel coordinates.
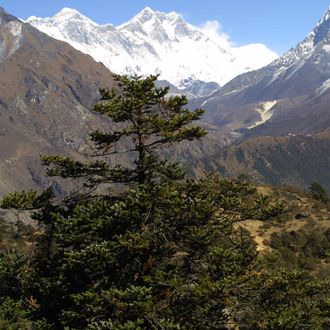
{"type": "Point", "coordinates": [155, 42]}
{"type": "Point", "coordinates": [325, 86]}
{"type": "Point", "coordinates": [264, 109]}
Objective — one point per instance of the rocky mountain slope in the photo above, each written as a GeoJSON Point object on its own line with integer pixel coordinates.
{"type": "Point", "coordinates": [281, 113]}
{"type": "Point", "coordinates": [46, 90]}
{"type": "Point", "coordinates": [285, 94]}
{"type": "Point", "coordinates": [155, 42]}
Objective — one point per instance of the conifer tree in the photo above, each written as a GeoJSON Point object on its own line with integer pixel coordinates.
{"type": "Point", "coordinates": [156, 256]}
{"type": "Point", "coordinates": [147, 120]}
{"type": "Point", "coordinates": [162, 254]}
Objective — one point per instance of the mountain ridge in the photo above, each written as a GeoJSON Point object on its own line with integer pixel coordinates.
{"type": "Point", "coordinates": [47, 86]}
{"type": "Point", "coordinates": [46, 90]}
{"type": "Point", "coordinates": [280, 114]}
{"type": "Point", "coordinates": [155, 42]}
{"type": "Point", "coordinates": [297, 80]}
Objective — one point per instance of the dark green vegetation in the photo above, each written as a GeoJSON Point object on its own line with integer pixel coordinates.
{"type": "Point", "coordinates": [163, 252]}
{"type": "Point", "coordinates": [307, 248]}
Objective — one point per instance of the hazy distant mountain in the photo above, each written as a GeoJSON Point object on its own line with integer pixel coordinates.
{"type": "Point", "coordinates": [290, 95]}
{"type": "Point", "coordinates": [191, 88]}
{"type": "Point", "coordinates": [155, 42]}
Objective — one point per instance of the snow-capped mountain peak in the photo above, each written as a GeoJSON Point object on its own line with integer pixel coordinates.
{"type": "Point", "coordinates": [158, 26]}
{"type": "Point", "coordinates": [314, 47]}
{"type": "Point", "coordinates": [65, 16]}
{"type": "Point", "coordinates": [298, 81]}
{"type": "Point", "coordinates": [145, 15]}
{"type": "Point", "coordinates": [325, 17]}
{"type": "Point", "coordinates": [148, 14]}
{"type": "Point", "coordinates": [68, 12]}
{"type": "Point", "coordinates": [155, 42]}
{"type": "Point", "coordinates": [322, 28]}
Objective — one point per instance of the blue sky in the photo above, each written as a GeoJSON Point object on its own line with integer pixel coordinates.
{"type": "Point", "coordinates": [279, 24]}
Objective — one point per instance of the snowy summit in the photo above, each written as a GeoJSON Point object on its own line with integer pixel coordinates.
{"type": "Point", "coordinates": [156, 42]}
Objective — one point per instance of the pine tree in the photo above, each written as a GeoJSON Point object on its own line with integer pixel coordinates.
{"type": "Point", "coordinates": [101, 230]}
{"type": "Point", "coordinates": [147, 120]}
{"type": "Point", "coordinates": [162, 254]}
{"type": "Point", "coordinates": [159, 254]}
{"type": "Point", "coordinates": [283, 299]}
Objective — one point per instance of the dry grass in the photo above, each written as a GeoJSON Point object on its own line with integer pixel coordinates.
{"type": "Point", "coordinates": [299, 205]}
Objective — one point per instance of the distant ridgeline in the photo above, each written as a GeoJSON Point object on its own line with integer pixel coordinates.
{"type": "Point", "coordinates": [271, 123]}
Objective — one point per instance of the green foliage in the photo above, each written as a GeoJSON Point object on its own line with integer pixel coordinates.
{"type": "Point", "coordinates": [17, 235]}
{"type": "Point", "coordinates": [14, 315]}
{"type": "Point", "coordinates": [13, 273]}
{"type": "Point", "coordinates": [164, 256]}
{"type": "Point", "coordinates": [165, 253]}
{"type": "Point", "coordinates": [26, 200]}
{"type": "Point", "coordinates": [148, 121]}
{"type": "Point", "coordinates": [307, 248]}
{"type": "Point", "coordinates": [16, 305]}
{"type": "Point", "coordinates": [97, 256]}
{"type": "Point", "coordinates": [283, 299]}
{"type": "Point", "coordinates": [104, 325]}
{"type": "Point", "coordinates": [242, 198]}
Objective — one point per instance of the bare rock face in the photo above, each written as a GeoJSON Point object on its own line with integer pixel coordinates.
{"type": "Point", "coordinates": [46, 92]}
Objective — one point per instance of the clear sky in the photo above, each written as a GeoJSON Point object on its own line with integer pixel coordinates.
{"type": "Point", "coordinates": [279, 24]}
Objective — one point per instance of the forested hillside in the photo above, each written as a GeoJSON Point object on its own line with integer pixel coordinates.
{"type": "Point", "coordinates": [141, 246]}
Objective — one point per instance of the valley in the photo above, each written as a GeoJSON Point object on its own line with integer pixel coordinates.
{"type": "Point", "coordinates": [287, 97]}
{"type": "Point", "coordinates": [125, 205]}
